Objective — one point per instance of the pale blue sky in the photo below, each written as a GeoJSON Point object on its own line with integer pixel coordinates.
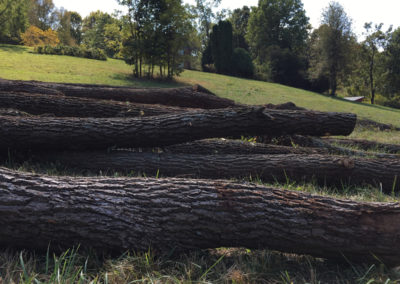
{"type": "Point", "coordinates": [361, 11]}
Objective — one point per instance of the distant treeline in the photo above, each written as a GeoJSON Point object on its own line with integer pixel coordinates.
{"type": "Point", "coordinates": [273, 42]}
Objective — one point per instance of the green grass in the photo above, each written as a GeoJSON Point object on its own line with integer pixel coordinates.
{"type": "Point", "coordinates": [20, 63]}
{"type": "Point", "coordinates": [222, 265]}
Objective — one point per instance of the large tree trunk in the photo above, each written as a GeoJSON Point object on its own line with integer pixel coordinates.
{"type": "Point", "coordinates": [135, 213]}
{"type": "Point", "coordinates": [38, 104]}
{"type": "Point", "coordinates": [86, 133]}
{"type": "Point", "coordinates": [366, 144]}
{"type": "Point", "coordinates": [317, 143]}
{"type": "Point", "coordinates": [325, 170]}
{"type": "Point", "coordinates": [236, 147]}
{"type": "Point", "coordinates": [192, 97]}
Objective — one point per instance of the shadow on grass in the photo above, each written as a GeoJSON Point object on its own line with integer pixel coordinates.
{"type": "Point", "coordinates": [131, 81]}
{"type": "Point", "coordinates": [13, 48]}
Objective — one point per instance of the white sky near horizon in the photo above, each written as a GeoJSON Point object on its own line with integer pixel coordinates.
{"type": "Point", "coordinates": [360, 11]}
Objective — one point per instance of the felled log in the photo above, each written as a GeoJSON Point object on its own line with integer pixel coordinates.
{"type": "Point", "coordinates": [120, 214]}
{"type": "Point", "coordinates": [237, 147]}
{"type": "Point", "coordinates": [191, 97]}
{"type": "Point", "coordinates": [380, 126]}
{"type": "Point", "coordinates": [61, 106]}
{"type": "Point", "coordinates": [317, 143]}
{"type": "Point", "coordinates": [46, 133]}
{"type": "Point", "coordinates": [12, 112]}
{"type": "Point", "coordinates": [366, 144]}
{"type": "Point", "coordinates": [322, 169]}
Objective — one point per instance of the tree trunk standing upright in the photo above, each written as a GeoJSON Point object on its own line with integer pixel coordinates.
{"type": "Point", "coordinates": [371, 77]}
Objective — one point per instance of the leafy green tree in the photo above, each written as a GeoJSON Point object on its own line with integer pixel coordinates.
{"type": "Point", "coordinates": [392, 65]}
{"type": "Point", "coordinates": [13, 19]}
{"type": "Point", "coordinates": [42, 14]}
{"type": "Point", "coordinates": [375, 40]}
{"type": "Point", "coordinates": [278, 27]}
{"type": "Point", "coordinates": [156, 33]}
{"type": "Point", "coordinates": [277, 22]}
{"type": "Point", "coordinates": [222, 47]}
{"type": "Point", "coordinates": [242, 64]}
{"type": "Point", "coordinates": [240, 19]}
{"type": "Point", "coordinates": [332, 46]}
{"type": "Point", "coordinates": [76, 27]}
{"type": "Point", "coordinates": [93, 29]}
{"type": "Point", "coordinates": [206, 17]}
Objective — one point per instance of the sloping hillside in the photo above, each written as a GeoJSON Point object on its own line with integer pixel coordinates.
{"type": "Point", "coordinates": [20, 63]}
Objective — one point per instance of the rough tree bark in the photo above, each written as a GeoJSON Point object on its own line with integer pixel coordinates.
{"type": "Point", "coordinates": [366, 145]}
{"type": "Point", "coordinates": [135, 213]}
{"type": "Point", "coordinates": [238, 147]}
{"type": "Point", "coordinates": [46, 133]}
{"type": "Point", "coordinates": [314, 142]}
{"type": "Point", "coordinates": [12, 112]}
{"type": "Point", "coordinates": [61, 106]}
{"type": "Point", "coordinates": [322, 169]}
{"type": "Point", "coordinates": [191, 97]}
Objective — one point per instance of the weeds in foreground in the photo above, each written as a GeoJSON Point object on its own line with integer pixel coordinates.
{"type": "Point", "coordinates": [223, 265]}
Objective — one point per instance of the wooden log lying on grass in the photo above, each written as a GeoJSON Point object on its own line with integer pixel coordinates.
{"type": "Point", "coordinates": [366, 144]}
{"type": "Point", "coordinates": [236, 147]}
{"type": "Point", "coordinates": [323, 169]}
{"type": "Point", "coordinates": [314, 143]}
{"type": "Point", "coordinates": [229, 146]}
{"type": "Point", "coordinates": [61, 106]}
{"type": "Point", "coordinates": [12, 112]}
{"type": "Point", "coordinates": [46, 133]}
{"type": "Point", "coordinates": [191, 97]}
{"type": "Point", "coordinates": [119, 214]}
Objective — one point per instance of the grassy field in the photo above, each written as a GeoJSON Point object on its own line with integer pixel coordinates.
{"type": "Point", "coordinates": [224, 265]}
{"type": "Point", "coordinates": [20, 63]}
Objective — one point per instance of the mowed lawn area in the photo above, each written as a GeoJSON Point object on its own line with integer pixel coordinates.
{"type": "Point", "coordinates": [20, 63]}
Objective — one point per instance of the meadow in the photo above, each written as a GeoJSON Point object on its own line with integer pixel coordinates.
{"type": "Point", "coordinates": [223, 265]}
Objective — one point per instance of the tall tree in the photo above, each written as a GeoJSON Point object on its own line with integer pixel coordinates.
{"type": "Point", "coordinates": [76, 27]}
{"type": "Point", "coordinates": [392, 65]}
{"type": "Point", "coordinates": [277, 34]}
{"type": "Point", "coordinates": [206, 17]}
{"type": "Point", "coordinates": [93, 29]}
{"type": "Point", "coordinates": [13, 19]}
{"type": "Point", "coordinates": [155, 33]}
{"type": "Point", "coordinates": [42, 14]}
{"type": "Point", "coordinates": [221, 46]}
{"type": "Point", "coordinates": [335, 41]}
{"type": "Point", "coordinates": [375, 40]}
{"type": "Point", "coordinates": [240, 19]}
{"type": "Point", "coordinates": [64, 27]}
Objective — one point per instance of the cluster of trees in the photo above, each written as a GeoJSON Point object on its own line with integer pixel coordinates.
{"type": "Point", "coordinates": [277, 39]}
{"type": "Point", "coordinates": [273, 41]}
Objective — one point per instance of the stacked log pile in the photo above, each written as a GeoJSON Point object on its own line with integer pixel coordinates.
{"type": "Point", "coordinates": [190, 139]}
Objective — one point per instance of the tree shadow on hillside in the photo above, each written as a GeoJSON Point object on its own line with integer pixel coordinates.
{"type": "Point", "coordinates": [12, 48]}
{"type": "Point", "coordinates": [131, 81]}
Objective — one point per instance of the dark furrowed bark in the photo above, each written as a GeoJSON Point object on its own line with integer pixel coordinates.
{"type": "Point", "coordinates": [324, 170]}
{"type": "Point", "coordinates": [191, 97]}
{"type": "Point", "coordinates": [44, 133]}
{"type": "Point", "coordinates": [62, 106]}
{"type": "Point", "coordinates": [119, 214]}
{"type": "Point", "coordinates": [229, 146]}
{"type": "Point", "coordinates": [314, 142]}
